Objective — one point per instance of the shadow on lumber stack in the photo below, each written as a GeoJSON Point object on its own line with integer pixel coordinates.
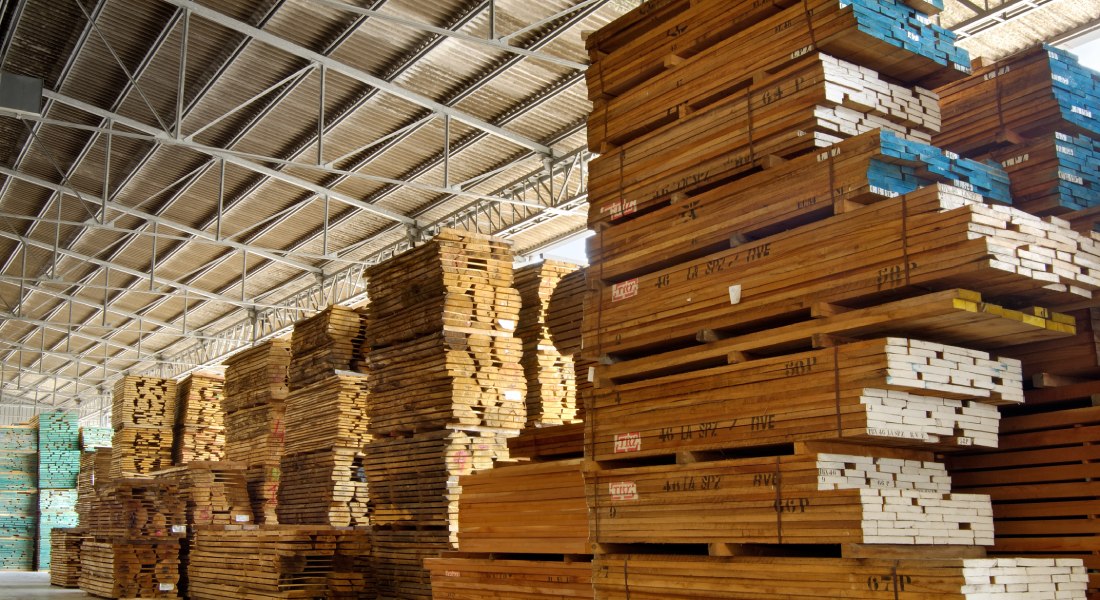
{"type": "Point", "coordinates": [796, 302]}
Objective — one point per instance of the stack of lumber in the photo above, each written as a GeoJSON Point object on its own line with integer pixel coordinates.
{"type": "Point", "coordinates": [766, 578]}
{"type": "Point", "coordinates": [470, 578]}
{"type": "Point", "coordinates": [199, 430]}
{"type": "Point", "coordinates": [776, 312]}
{"type": "Point", "coordinates": [280, 561]}
{"type": "Point", "coordinates": [65, 557]}
{"type": "Point", "coordinates": [142, 412]}
{"type": "Point", "coordinates": [1053, 173]}
{"type": "Point", "coordinates": [1042, 479]}
{"type": "Point", "coordinates": [18, 496]}
{"type": "Point", "coordinates": [325, 343]}
{"type": "Point", "coordinates": [214, 493]}
{"type": "Point", "coordinates": [256, 388]}
{"type": "Point", "coordinates": [95, 474]}
{"type": "Point", "coordinates": [563, 319]}
{"type": "Point", "coordinates": [548, 443]}
{"type": "Point", "coordinates": [551, 390]}
{"type": "Point", "coordinates": [137, 509]}
{"type": "Point", "coordinates": [95, 437]}
{"type": "Point", "coordinates": [1076, 356]}
{"type": "Point", "coordinates": [446, 391]}
{"type": "Point", "coordinates": [130, 568]}
{"type": "Point", "coordinates": [56, 508]}
{"type": "Point", "coordinates": [817, 495]}
{"type": "Point", "coordinates": [58, 449]}
{"type": "Point", "coordinates": [323, 482]}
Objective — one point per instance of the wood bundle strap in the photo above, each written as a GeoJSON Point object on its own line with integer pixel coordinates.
{"type": "Point", "coordinates": [95, 437]}
{"type": "Point", "coordinates": [654, 81]}
{"type": "Point", "coordinates": [1053, 174]}
{"type": "Point", "coordinates": [447, 379]}
{"type": "Point", "coordinates": [1076, 356]}
{"type": "Point", "coordinates": [1042, 479]}
{"type": "Point", "coordinates": [279, 562]}
{"type": "Point", "coordinates": [330, 341]}
{"type": "Point", "coordinates": [551, 389]}
{"type": "Point", "coordinates": [65, 556]}
{"type": "Point", "coordinates": [812, 104]}
{"type": "Point", "coordinates": [330, 413]}
{"type": "Point", "coordinates": [475, 578]}
{"type": "Point", "coordinates": [890, 391]}
{"type": "Point", "coordinates": [861, 170]}
{"type": "Point", "coordinates": [214, 492]}
{"type": "Point", "coordinates": [643, 577]}
{"type": "Point", "coordinates": [130, 569]}
{"type": "Point", "coordinates": [143, 401]}
{"type": "Point", "coordinates": [457, 282]}
{"type": "Point", "coordinates": [257, 376]}
{"type": "Point", "coordinates": [929, 238]}
{"type": "Point", "coordinates": [398, 557]}
{"type": "Point", "coordinates": [56, 508]}
{"type": "Point", "coordinates": [138, 450]}
{"type": "Point", "coordinates": [199, 429]}
{"type": "Point", "coordinates": [137, 509]}
{"type": "Point", "coordinates": [1034, 92]}
{"type": "Point", "coordinates": [526, 509]}
{"type": "Point", "coordinates": [820, 494]}
{"type": "Point", "coordinates": [548, 443]}
{"type": "Point", "coordinates": [324, 487]}
{"type": "Point", "coordinates": [414, 481]}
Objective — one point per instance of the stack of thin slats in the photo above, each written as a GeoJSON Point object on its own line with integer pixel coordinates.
{"type": "Point", "coordinates": [18, 496]}
{"type": "Point", "coordinates": [58, 466]}
{"type": "Point", "coordinates": [137, 509]}
{"type": "Point", "coordinates": [95, 474]}
{"type": "Point", "coordinates": [551, 388]}
{"type": "Point", "coordinates": [199, 431]}
{"type": "Point", "coordinates": [95, 437]}
{"type": "Point", "coordinates": [329, 341]}
{"type": "Point", "coordinates": [56, 508]}
{"type": "Point", "coordinates": [256, 387]}
{"type": "Point", "coordinates": [142, 411]}
{"type": "Point", "coordinates": [65, 556]}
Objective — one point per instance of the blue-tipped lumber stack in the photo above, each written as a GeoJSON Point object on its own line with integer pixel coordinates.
{"type": "Point", "coordinates": [58, 466]}
{"type": "Point", "coordinates": [18, 496]}
{"type": "Point", "coordinates": [95, 437]}
{"type": "Point", "coordinates": [1054, 174]}
{"type": "Point", "coordinates": [907, 165]}
{"type": "Point", "coordinates": [56, 508]}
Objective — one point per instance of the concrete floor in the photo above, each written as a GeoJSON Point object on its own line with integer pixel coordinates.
{"type": "Point", "coordinates": [19, 585]}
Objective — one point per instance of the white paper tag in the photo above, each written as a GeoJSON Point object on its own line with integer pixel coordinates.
{"type": "Point", "coordinates": [166, 587]}
{"type": "Point", "coordinates": [512, 395]}
{"type": "Point", "coordinates": [179, 529]}
{"type": "Point", "coordinates": [735, 294]}
{"type": "Point", "coordinates": [507, 324]}
{"type": "Point", "coordinates": [591, 374]}
{"type": "Point", "coordinates": [241, 518]}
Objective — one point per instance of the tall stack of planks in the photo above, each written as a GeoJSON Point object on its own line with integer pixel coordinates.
{"type": "Point", "coordinates": [563, 319]}
{"type": "Point", "coordinates": [58, 466]}
{"type": "Point", "coordinates": [256, 389]}
{"type": "Point", "coordinates": [65, 556]}
{"type": "Point", "coordinates": [446, 392]}
{"type": "Point", "coordinates": [551, 385]}
{"type": "Point", "coordinates": [198, 432]}
{"type": "Point", "coordinates": [782, 346]}
{"type": "Point", "coordinates": [142, 412]}
{"type": "Point", "coordinates": [1036, 113]}
{"type": "Point", "coordinates": [95, 474]}
{"type": "Point", "coordinates": [18, 496]}
{"type": "Point", "coordinates": [327, 423]}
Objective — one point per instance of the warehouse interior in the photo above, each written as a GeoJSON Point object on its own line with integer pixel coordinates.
{"type": "Point", "coordinates": [184, 184]}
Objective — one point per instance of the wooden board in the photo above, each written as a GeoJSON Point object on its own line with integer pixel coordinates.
{"type": "Point", "coordinates": [548, 443]}
{"type": "Point", "coordinates": [642, 577]}
{"type": "Point", "coordinates": [549, 373]}
{"type": "Point", "coordinates": [330, 341]}
{"type": "Point", "coordinates": [526, 509]}
{"type": "Point", "coordinates": [475, 578]}
{"type": "Point", "coordinates": [860, 391]}
{"type": "Point", "coordinates": [1052, 174]}
{"type": "Point", "coordinates": [143, 401]}
{"type": "Point", "coordinates": [324, 487]}
{"type": "Point", "coordinates": [1076, 356]}
{"type": "Point", "coordinates": [65, 557]}
{"type": "Point", "coordinates": [95, 474]}
{"type": "Point", "coordinates": [817, 495]}
{"type": "Point", "coordinates": [133, 569]}
{"type": "Point", "coordinates": [56, 509]}
{"type": "Point", "coordinates": [256, 435]}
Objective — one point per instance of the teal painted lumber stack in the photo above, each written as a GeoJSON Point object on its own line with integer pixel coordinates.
{"type": "Point", "coordinates": [58, 466]}
{"type": "Point", "coordinates": [95, 437]}
{"type": "Point", "coordinates": [18, 496]}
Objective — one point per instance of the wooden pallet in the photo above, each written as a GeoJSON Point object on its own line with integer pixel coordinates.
{"type": "Point", "coordinates": [923, 239]}
{"type": "Point", "coordinates": [551, 387]}
{"type": "Point", "coordinates": [397, 560]}
{"type": "Point", "coordinates": [143, 401]}
{"type": "Point", "coordinates": [213, 492]}
{"type": "Point", "coordinates": [871, 390]}
{"type": "Point", "coordinates": [462, 577]}
{"type": "Point", "coordinates": [257, 376]}
{"type": "Point", "coordinates": [279, 562]}
{"type": "Point", "coordinates": [130, 569]}
{"type": "Point", "coordinates": [819, 494]}
{"type": "Point", "coordinates": [332, 412]}
{"type": "Point", "coordinates": [324, 487]}
{"type": "Point", "coordinates": [750, 578]}
{"type": "Point", "coordinates": [526, 509]}
{"type": "Point", "coordinates": [330, 341]}
{"type": "Point", "coordinates": [65, 556]}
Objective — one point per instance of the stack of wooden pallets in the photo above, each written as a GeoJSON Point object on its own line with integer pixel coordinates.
{"type": "Point", "coordinates": [330, 341]}
{"type": "Point", "coordinates": [775, 309]}
{"type": "Point", "coordinates": [276, 562]}
{"type": "Point", "coordinates": [256, 388]}
{"type": "Point", "coordinates": [65, 556]}
{"type": "Point", "coordinates": [447, 391]}
{"type": "Point", "coordinates": [551, 387]}
{"type": "Point", "coordinates": [58, 466]}
{"type": "Point", "coordinates": [18, 496]}
{"type": "Point", "coordinates": [142, 411]}
{"type": "Point", "coordinates": [199, 430]}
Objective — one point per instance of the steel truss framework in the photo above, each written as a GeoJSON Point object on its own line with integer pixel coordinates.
{"type": "Point", "coordinates": [555, 188]}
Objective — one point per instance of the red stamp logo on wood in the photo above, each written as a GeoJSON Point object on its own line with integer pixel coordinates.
{"type": "Point", "coordinates": [624, 290]}
{"type": "Point", "coordinates": [628, 442]}
{"type": "Point", "coordinates": [623, 490]}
